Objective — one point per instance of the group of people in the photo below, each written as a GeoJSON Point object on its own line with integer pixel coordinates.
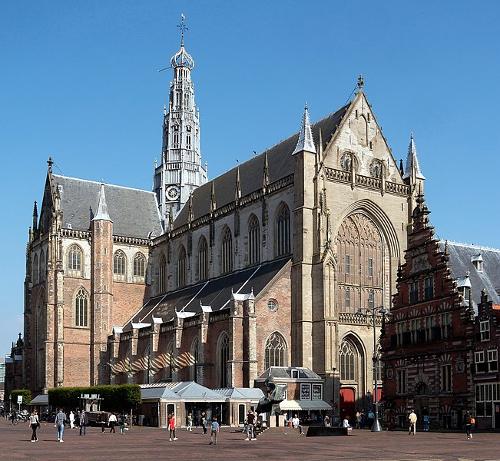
{"type": "Point", "coordinates": [214, 426]}
{"type": "Point", "coordinates": [469, 422]}
{"type": "Point", "coordinates": [80, 418]}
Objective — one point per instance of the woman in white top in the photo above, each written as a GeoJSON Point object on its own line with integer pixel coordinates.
{"type": "Point", "coordinates": [71, 420]}
{"type": "Point", "coordinates": [34, 423]}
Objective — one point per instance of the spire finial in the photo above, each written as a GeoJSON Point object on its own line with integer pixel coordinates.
{"type": "Point", "coordinates": [102, 207]}
{"type": "Point", "coordinates": [361, 82]}
{"type": "Point", "coordinates": [35, 217]}
{"type": "Point", "coordinates": [182, 27]}
{"type": "Point", "coordinates": [50, 162]}
{"type": "Point", "coordinates": [305, 141]}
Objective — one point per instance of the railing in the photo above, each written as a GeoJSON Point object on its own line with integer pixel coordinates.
{"type": "Point", "coordinates": [368, 181]}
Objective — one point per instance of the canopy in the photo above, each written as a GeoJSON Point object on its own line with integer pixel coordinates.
{"type": "Point", "coordinates": [42, 399]}
{"type": "Point", "coordinates": [296, 405]}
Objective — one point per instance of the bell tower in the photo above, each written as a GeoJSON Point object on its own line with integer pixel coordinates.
{"type": "Point", "coordinates": [180, 170]}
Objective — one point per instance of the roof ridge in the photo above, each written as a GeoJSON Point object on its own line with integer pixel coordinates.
{"type": "Point", "coordinates": [470, 245]}
{"type": "Point", "coordinates": [105, 183]}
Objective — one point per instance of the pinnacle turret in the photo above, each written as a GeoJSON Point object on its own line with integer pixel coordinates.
{"type": "Point", "coordinates": [305, 141]}
{"type": "Point", "coordinates": [102, 207]}
{"type": "Point", "coordinates": [412, 170]}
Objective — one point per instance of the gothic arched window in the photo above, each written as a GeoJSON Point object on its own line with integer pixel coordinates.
{"type": "Point", "coordinates": [202, 258]}
{"type": "Point", "coordinates": [276, 351]}
{"type": "Point", "coordinates": [222, 359]}
{"type": "Point", "coordinates": [139, 265]}
{"type": "Point", "coordinates": [81, 308]}
{"type": "Point", "coordinates": [348, 356]}
{"type": "Point", "coordinates": [227, 251]}
{"type": "Point", "coordinates": [162, 276]}
{"type": "Point", "coordinates": [42, 270]}
{"type": "Point", "coordinates": [120, 265]}
{"type": "Point", "coordinates": [253, 240]}
{"type": "Point", "coordinates": [181, 267]}
{"type": "Point", "coordinates": [282, 231]}
{"type": "Point", "coordinates": [75, 259]}
{"type": "Point", "coordinates": [35, 269]}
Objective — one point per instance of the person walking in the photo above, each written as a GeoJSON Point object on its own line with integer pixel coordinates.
{"type": "Point", "coordinates": [84, 421]}
{"type": "Point", "coordinates": [412, 418]}
{"type": "Point", "coordinates": [122, 424]}
{"type": "Point", "coordinates": [296, 424]}
{"type": "Point", "coordinates": [251, 425]}
{"type": "Point", "coordinates": [358, 420]}
{"type": "Point", "coordinates": [171, 427]}
{"type": "Point", "coordinates": [469, 421]}
{"type": "Point", "coordinates": [34, 423]}
{"type": "Point", "coordinates": [204, 422]}
{"type": "Point", "coordinates": [214, 429]}
{"type": "Point", "coordinates": [112, 423]}
{"type": "Point", "coordinates": [71, 420]}
{"type": "Point", "coordinates": [59, 423]}
{"type": "Point", "coordinates": [427, 422]}
{"type": "Point", "coordinates": [189, 422]}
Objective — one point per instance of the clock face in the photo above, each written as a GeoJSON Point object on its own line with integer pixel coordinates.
{"type": "Point", "coordinates": [172, 193]}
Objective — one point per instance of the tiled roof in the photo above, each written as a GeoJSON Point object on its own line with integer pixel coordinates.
{"type": "Point", "coordinates": [286, 373]}
{"type": "Point", "coordinates": [461, 257]}
{"type": "Point", "coordinates": [215, 292]}
{"type": "Point", "coordinates": [280, 161]}
{"type": "Point", "coordinates": [134, 212]}
{"type": "Point", "coordinates": [241, 393]}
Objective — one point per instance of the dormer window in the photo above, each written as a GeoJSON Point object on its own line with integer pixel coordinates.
{"type": "Point", "coordinates": [477, 261]}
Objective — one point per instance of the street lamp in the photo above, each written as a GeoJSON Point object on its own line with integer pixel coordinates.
{"type": "Point", "coordinates": [376, 427]}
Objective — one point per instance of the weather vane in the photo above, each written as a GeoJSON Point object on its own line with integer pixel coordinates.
{"type": "Point", "coordinates": [182, 27]}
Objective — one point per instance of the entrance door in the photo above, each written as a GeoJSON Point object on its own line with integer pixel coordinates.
{"type": "Point", "coordinates": [347, 402]}
{"type": "Point", "coordinates": [496, 407]}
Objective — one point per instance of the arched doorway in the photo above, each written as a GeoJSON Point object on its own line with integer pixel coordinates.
{"type": "Point", "coordinates": [347, 403]}
{"type": "Point", "coordinates": [351, 364]}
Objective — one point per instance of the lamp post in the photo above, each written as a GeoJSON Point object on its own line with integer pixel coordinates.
{"type": "Point", "coordinates": [376, 427]}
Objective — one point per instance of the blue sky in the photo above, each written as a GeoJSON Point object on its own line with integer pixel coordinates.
{"type": "Point", "coordinates": [80, 82]}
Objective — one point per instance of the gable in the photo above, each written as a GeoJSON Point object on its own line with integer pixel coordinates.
{"type": "Point", "coordinates": [361, 135]}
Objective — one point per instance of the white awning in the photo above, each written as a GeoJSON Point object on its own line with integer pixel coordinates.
{"type": "Point", "coordinates": [295, 405]}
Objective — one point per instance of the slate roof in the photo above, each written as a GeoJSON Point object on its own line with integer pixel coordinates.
{"type": "Point", "coordinates": [280, 161]}
{"type": "Point", "coordinates": [215, 292]}
{"type": "Point", "coordinates": [286, 373]}
{"type": "Point", "coordinates": [191, 391]}
{"type": "Point", "coordinates": [241, 393]}
{"type": "Point", "coordinates": [134, 212]}
{"type": "Point", "coordinates": [461, 256]}
{"type": "Point", "coordinates": [158, 393]}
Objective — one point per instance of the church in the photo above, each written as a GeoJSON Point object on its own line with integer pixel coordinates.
{"type": "Point", "coordinates": [280, 261]}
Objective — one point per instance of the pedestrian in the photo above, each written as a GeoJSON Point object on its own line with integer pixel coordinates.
{"type": "Point", "coordinates": [412, 418]}
{"type": "Point", "coordinates": [296, 424]}
{"type": "Point", "coordinates": [250, 425]}
{"type": "Point", "coordinates": [59, 423]}
{"type": "Point", "coordinates": [171, 427]}
{"type": "Point", "coordinates": [103, 423]}
{"type": "Point", "coordinates": [371, 418]}
{"type": "Point", "coordinates": [84, 421]}
{"type": "Point", "coordinates": [122, 424]}
{"type": "Point", "coordinates": [358, 420]}
{"type": "Point", "coordinates": [204, 422]}
{"type": "Point", "coordinates": [469, 421]}
{"type": "Point", "coordinates": [427, 422]}
{"type": "Point", "coordinates": [327, 422]}
{"type": "Point", "coordinates": [71, 419]}
{"type": "Point", "coordinates": [112, 423]}
{"type": "Point", "coordinates": [214, 428]}
{"type": "Point", "coordinates": [34, 423]}
{"type": "Point", "coordinates": [346, 425]}
{"type": "Point", "coordinates": [190, 422]}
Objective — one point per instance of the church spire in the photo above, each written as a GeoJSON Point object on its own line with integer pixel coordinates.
{"type": "Point", "coordinates": [412, 171]}
{"type": "Point", "coordinates": [305, 141]}
{"type": "Point", "coordinates": [180, 170]}
{"type": "Point", "coordinates": [102, 207]}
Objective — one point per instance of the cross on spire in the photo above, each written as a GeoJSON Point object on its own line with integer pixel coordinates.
{"type": "Point", "coordinates": [182, 27]}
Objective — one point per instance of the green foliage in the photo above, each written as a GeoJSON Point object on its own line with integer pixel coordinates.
{"type": "Point", "coordinates": [115, 397]}
{"type": "Point", "coordinates": [26, 393]}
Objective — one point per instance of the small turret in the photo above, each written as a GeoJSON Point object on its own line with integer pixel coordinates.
{"type": "Point", "coordinates": [35, 217]}
{"type": "Point", "coordinates": [102, 207]}
{"type": "Point", "coordinates": [265, 173]}
{"type": "Point", "coordinates": [305, 141]}
{"type": "Point", "coordinates": [412, 172]}
{"type": "Point", "coordinates": [237, 186]}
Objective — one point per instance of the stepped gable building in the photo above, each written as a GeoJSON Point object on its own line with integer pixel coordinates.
{"type": "Point", "coordinates": [86, 270]}
{"type": "Point", "coordinates": [426, 348]}
{"type": "Point", "coordinates": [275, 262]}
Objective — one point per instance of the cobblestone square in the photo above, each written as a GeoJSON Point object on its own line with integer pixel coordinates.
{"type": "Point", "coordinates": [148, 443]}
